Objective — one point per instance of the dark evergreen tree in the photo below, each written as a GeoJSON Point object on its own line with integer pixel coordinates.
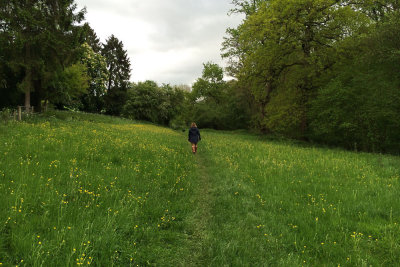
{"type": "Point", "coordinates": [118, 65]}
{"type": "Point", "coordinates": [42, 43]}
{"type": "Point", "coordinates": [90, 37]}
{"type": "Point", "coordinates": [8, 78]}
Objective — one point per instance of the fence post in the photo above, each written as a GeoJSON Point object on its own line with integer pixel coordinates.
{"type": "Point", "coordinates": [19, 113]}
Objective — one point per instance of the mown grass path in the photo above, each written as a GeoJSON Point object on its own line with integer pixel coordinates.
{"type": "Point", "coordinates": [201, 216]}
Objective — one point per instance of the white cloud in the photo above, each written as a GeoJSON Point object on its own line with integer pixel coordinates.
{"type": "Point", "coordinates": [167, 41]}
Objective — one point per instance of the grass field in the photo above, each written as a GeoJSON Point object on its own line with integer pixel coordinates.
{"type": "Point", "coordinates": [80, 189]}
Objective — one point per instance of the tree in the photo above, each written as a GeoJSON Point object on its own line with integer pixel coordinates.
{"type": "Point", "coordinates": [284, 46]}
{"type": "Point", "coordinates": [209, 86]}
{"type": "Point", "coordinates": [214, 103]}
{"type": "Point", "coordinates": [147, 101]}
{"type": "Point", "coordinates": [42, 39]}
{"type": "Point", "coordinates": [379, 9]}
{"type": "Point", "coordinates": [68, 85]}
{"type": "Point", "coordinates": [359, 106]}
{"type": "Point", "coordinates": [8, 78]}
{"type": "Point", "coordinates": [96, 65]}
{"type": "Point", "coordinates": [118, 66]}
{"type": "Point", "coordinates": [248, 7]}
{"type": "Point", "coordinates": [324, 69]}
{"type": "Point", "coordinates": [90, 37]}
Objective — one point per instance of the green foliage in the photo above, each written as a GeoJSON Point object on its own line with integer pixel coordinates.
{"type": "Point", "coordinates": [360, 107]}
{"type": "Point", "coordinates": [41, 38]}
{"type": "Point", "coordinates": [210, 85]}
{"type": "Point", "coordinates": [320, 69]}
{"type": "Point", "coordinates": [75, 79]}
{"type": "Point", "coordinates": [144, 102]}
{"type": "Point", "coordinates": [118, 66]}
{"type": "Point", "coordinates": [247, 7]}
{"type": "Point", "coordinates": [67, 85]}
{"type": "Point", "coordinates": [215, 103]}
{"type": "Point", "coordinates": [5, 115]}
{"type": "Point", "coordinates": [96, 65]}
{"type": "Point", "coordinates": [147, 101]}
{"type": "Point", "coordinates": [90, 38]}
{"type": "Point", "coordinates": [284, 113]}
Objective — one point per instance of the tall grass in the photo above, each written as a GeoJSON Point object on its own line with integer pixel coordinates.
{"type": "Point", "coordinates": [282, 204]}
{"type": "Point", "coordinates": [75, 192]}
{"type": "Point", "coordinates": [79, 189]}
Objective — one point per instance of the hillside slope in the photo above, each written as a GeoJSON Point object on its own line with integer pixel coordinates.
{"type": "Point", "coordinates": [81, 189]}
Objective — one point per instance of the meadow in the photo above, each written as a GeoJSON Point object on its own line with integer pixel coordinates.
{"type": "Point", "coordinates": [80, 189]}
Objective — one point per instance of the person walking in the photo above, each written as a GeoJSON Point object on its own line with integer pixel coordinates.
{"type": "Point", "coordinates": [194, 136]}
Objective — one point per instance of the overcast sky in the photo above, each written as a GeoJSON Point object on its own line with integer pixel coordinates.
{"type": "Point", "coordinates": [167, 40]}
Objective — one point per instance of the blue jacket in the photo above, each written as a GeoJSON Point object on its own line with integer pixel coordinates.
{"type": "Point", "coordinates": [194, 135]}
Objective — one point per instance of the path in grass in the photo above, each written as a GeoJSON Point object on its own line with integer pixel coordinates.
{"type": "Point", "coordinates": [201, 216]}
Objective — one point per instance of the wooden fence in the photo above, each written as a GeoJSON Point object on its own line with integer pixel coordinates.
{"type": "Point", "coordinates": [19, 113]}
{"type": "Point", "coordinates": [23, 111]}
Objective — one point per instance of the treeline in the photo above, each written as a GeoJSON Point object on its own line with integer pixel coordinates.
{"type": "Point", "coordinates": [48, 56]}
{"type": "Point", "coordinates": [211, 102]}
{"type": "Point", "coordinates": [321, 70]}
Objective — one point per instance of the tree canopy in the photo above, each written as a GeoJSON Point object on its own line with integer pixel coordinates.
{"type": "Point", "coordinates": [41, 37]}
{"type": "Point", "coordinates": [308, 62]}
{"type": "Point", "coordinates": [118, 67]}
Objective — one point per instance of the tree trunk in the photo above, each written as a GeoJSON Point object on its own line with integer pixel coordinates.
{"type": "Point", "coordinates": [264, 103]}
{"type": "Point", "coordinates": [309, 37]}
{"type": "Point", "coordinates": [303, 120]}
{"type": "Point", "coordinates": [28, 77]}
{"type": "Point", "coordinates": [36, 98]}
{"type": "Point", "coordinates": [262, 126]}
{"type": "Point", "coordinates": [27, 98]}
{"type": "Point", "coordinates": [110, 77]}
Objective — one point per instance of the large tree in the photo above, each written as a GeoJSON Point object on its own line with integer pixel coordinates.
{"type": "Point", "coordinates": [321, 69]}
{"type": "Point", "coordinates": [90, 37]}
{"type": "Point", "coordinates": [359, 105]}
{"type": "Point", "coordinates": [43, 41]}
{"type": "Point", "coordinates": [150, 102]}
{"type": "Point", "coordinates": [282, 48]}
{"type": "Point", "coordinates": [118, 66]}
{"type": "Point", "coordinates": [215, 103]}
{"type": "Point", "coordinates": [210, 86]}
{"type": "Point", "coordinates": [8, 78]}
{"type": "Point", "coordinates": [96, 66]}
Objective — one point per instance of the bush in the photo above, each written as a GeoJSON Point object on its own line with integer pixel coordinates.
{"type": "Point", "coordinates": [6, 115]}
{"type": "Point", "coordinates": [358, 111]}
{"type": "Point", "coordinates": [147, 101]}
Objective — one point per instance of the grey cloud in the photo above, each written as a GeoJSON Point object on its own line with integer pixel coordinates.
{"type": "Point", "coordinates": [189, 70]}
{"type": "Point", "coordinates": [195, 32]}
{"type": "Point", "coordinates": [197, 25]}
{"type": "Point", "coordinates": [187, 23]}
